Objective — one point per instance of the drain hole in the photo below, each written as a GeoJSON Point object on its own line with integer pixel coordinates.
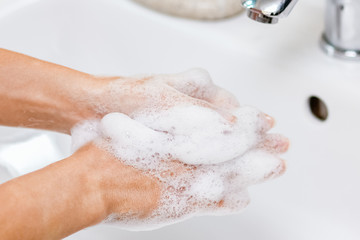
{"type": "Point", "coordinates": [318, 108]}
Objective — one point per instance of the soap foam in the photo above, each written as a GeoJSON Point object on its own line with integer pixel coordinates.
{"type": "Point", "coordinates": [218, 159]}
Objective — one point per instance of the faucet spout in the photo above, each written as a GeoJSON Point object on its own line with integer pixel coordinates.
{"type": "Point", "coordinates": [268, 11]}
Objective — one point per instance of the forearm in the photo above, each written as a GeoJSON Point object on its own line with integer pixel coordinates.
{"type": "Point", "coordinates": [72, 194]}
{"type": "Point", "coordinates": [40, 94]}
{"type": "Point", "coordinates": [51, 203]}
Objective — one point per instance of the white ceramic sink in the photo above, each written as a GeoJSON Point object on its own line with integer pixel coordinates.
{"type": "Point", "coordinates": [274, 67]}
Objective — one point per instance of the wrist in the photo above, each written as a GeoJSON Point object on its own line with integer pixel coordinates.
{"type": "Point", "coordinates": [122, 189]}
{"type": "Point", "coordinates": [104, 95]}
{"type": "Point", "coordinates": [83, 170]}
{"type": "Point", "coordinates": [88, 97]}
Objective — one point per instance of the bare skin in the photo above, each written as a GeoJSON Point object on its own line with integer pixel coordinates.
{"type": "Point", "coordinates": [72, 194]}
{"type": "Point", "coordinates": [81, 190]}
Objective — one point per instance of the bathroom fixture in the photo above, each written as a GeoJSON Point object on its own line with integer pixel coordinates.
{"type": "Point", "coordinates": [342, 29]}
{"type": "Point", "coordinates": [268, 11]}
{"type": "Point", "coordinates": [341, 38]}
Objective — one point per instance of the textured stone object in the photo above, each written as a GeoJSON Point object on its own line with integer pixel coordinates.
{"type": "Point", "coordinates": [196, 9]}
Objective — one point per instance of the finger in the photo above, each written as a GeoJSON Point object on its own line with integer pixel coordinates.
{"type": "Point", "coordinates": [253, 120]}
{"type": "Point", "coordinates": [208, 189]}
{"type": "Point", "coordinates": [270, 121]}
{"type": "Point", "coordinates": [275, 143]}
{"type": "Point", "coordinates": [258, 166]}
{"type": "Point", "coordinates": [229, 116]}
{"type": "Point", "coordinates": [222, 98]}
{"type": "Point", "coordinates": [233, 202]}
{"type": "Point", "coordinates": [175, 168]}
{"type": "Point", "coordinates": [197, 83]}
{"type": "Point", "coordinates": [121, 127]}
{"type": "Point", "coordinates": [266, 122]}
{"type": "Point", "coordinates": [131, 140]}
{"type": "Point", "coordinates": [181, 99]}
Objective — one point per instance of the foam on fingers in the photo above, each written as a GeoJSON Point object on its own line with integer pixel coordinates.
{"type": "Point", "coordinates": [257, 166]}
{"type": "Point", "coordinates": [213, 184]}
{"type": "Point", "coordinates": [202, 136]}
{"type": "Point", "coordinates": [203, 161]}
{"type": "Point", "coordinates": [197, 83]}
{"type": "Point", "coordinates": [224, 99]}
{"type": "Point", "coordinates": [194, 82]}
{"type": "Point", "coordinates": [274, 143]}
{"type": "Point", "coordinates": [128, 130]}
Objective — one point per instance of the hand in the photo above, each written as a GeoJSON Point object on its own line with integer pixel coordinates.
{"type": "Point", "coordinates": [159, 93]}
{"type": "Point", "coordinates": [44, 95]}
{"type": "Point", "coordinates": [124, 190]}
{"type": "Point", "coordinates": [129, 95]}
{"type": "Point", "coordinates": [170, 191]}
{"type": "Point", "coordinates": [165, 93]}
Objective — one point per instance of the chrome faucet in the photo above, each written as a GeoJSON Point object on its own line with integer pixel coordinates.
{"type": "Point", "coordinates": [342, 29]}
{"type": "Point", "coordinates": [341, 37]}
{"type": "Point", "coordinates": [268, 11]}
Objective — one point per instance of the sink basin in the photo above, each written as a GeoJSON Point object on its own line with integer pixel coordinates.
{"type": "Point", "coordinates": [276, 68]}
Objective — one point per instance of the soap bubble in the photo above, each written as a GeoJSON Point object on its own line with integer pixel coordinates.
{"type": "Point", "coordinates": [205, 162]}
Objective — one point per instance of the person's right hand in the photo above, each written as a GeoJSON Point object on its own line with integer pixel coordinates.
{"type": "Point", "coordinates": [138, 199]}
